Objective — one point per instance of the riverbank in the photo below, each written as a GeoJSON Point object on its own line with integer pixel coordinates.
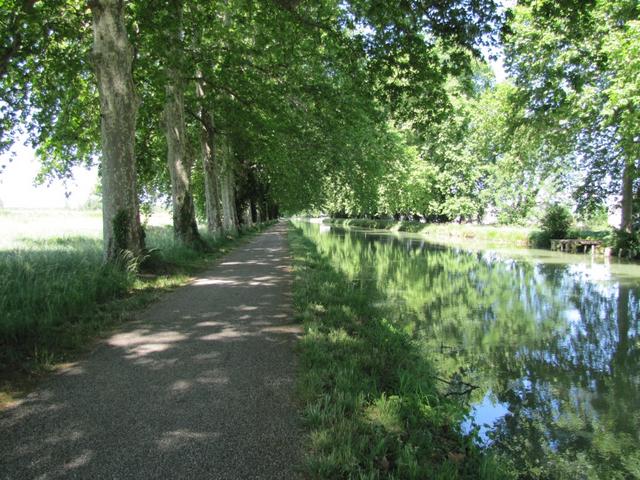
{"type": "Point", "coordinates": [512, 330]}
{"type": "Point", "coordinates": [372, 401]}
{"type": "Point", "coordinates": [56, 296]}
{"type": "Point", "coordinates": [517, 236]}
{"type": "Point", "coordinates": [457, 232]}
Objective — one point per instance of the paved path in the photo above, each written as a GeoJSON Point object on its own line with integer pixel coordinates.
{"type": "Point", "coordinates": [200, 386]}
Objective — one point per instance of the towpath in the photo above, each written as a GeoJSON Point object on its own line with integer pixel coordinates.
{"type": "Point", "coordinates": [199, 386]}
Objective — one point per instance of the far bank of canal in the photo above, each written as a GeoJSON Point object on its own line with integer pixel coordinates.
{"type": "Point", "coordinates": [551, 340]}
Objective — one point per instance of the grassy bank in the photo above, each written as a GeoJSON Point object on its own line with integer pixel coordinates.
{"type": "Point", "coordinates": [373, 404]}
{"type": "Point", "coordinates": [56, 295]}
{"type": "Point", "coordinates": [505, 235]}
{"type": "Point", "coordinates": [444, 231]}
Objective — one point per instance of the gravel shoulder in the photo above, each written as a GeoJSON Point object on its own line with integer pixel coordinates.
{"type": "Point", "coordinates": [199, 386]}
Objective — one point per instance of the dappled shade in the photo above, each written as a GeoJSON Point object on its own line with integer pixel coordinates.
{"type": "Point", "coordinates": [199, 386]}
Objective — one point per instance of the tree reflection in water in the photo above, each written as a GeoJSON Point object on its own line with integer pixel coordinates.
{"type": "Point", "coordinates": [553, 345]}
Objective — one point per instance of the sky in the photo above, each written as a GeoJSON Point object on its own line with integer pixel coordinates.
{"type": "Point", "coordinates": [17, 188]}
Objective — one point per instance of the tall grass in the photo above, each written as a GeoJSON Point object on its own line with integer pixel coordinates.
{"type": "Point", "coordinates": [51, 282]}
{"type": "Point", "coordinates": [371, 403]}
{"type": "Point", "coordinates": [56, 293]}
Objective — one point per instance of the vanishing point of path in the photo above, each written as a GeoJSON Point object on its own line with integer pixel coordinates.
{"type": "Point", "coordinates": [199, 386]}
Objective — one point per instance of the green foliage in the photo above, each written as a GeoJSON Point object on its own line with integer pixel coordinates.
{"type": "Point", "coordinates": [304, 92]}
{"type": "Point", "coordinates": [627, 244]}
{"type": "Point", "coordinates": [557, 221]}
{"type": "Point", "coordinates": [572, 64]}
{"type": "Point", "coordinates": [485, 159]}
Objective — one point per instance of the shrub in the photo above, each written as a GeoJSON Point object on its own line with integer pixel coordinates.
{"type": "Point", "coordinates": [556, 221]}
{"type": "Point", "coordinates": [626, 244]}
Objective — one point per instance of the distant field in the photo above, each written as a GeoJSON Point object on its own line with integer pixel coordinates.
{"type": "Point", "coordinates": [19, 227]}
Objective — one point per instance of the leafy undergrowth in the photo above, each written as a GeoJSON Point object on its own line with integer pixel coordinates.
{"type": "Point", "coordinates": [370, 399]}
{"type": "Point", "coordinates": [56, 295]}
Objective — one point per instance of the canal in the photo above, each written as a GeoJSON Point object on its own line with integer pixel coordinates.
{"type": "Point", "coordinates": [542, 347]}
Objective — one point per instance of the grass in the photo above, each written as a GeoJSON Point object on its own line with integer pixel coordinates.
{"type": "Point", "coordinates": [56, 295]}
{"type": "Point", "coordinates": [19, 226]}
{"type": "Point", "coordinates": [371, 400]}
{"type": "Point", "coordinates": [506, 235]}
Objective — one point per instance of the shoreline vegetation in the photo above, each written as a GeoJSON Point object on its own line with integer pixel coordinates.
{"type": "Point", "coordinates": [498, 234]}
{"type": "Point", "coordinates": [57, 296]}
{"type": "Point", "coordinates": [371, 400]}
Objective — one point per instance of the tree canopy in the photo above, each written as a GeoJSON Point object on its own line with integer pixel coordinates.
{"type": "Point", "coordinates": [360, 108]}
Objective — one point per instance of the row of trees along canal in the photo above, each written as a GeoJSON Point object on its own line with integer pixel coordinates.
{"type": "Point", "coordinates": [234, 110]}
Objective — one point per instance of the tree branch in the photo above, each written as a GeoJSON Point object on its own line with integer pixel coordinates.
{"type": "Point", "coordinates": [470, 388]}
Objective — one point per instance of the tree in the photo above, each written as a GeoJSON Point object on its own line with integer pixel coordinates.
{"type": "Point", "coordinates": [210, 163]}
{"type": "Point", "coordinates": [112, 57]}
{"type": "Point", "coordinates": [179, 162]}
{"type": "Point", "coordinates": [292, 103]}
{"type": "Point", "coordinates": [573, 63]}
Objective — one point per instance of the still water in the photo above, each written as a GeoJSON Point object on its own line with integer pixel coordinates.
{"type": "Point", "coordinates": [551, 340]}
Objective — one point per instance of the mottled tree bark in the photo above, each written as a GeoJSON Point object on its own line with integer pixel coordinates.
{"type": "Point", "coordinates": [227, 189]}
{"type": "Point", "coordinates": [185, 226]}
{"type": "Point", "coordinates": [112, 57]}
{"type": "Point", "coordinates": [210, 165]}
{"type": "Point", "coordinates": [628, 176]}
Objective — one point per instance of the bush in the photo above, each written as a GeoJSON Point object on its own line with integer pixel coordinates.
{"type": "Point", "coordinates": [557, 221]}
{"type": "Point", "coordinates": [626, 244]}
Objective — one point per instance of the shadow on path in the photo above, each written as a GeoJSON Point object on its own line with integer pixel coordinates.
{"type": "Point", "coordinates": [200, 386]}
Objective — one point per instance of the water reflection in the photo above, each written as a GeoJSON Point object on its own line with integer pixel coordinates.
{"type": "Point", "coordinates": [552, 342]}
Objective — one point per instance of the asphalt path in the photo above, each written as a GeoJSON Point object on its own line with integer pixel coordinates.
{"type": "Point", "coordinates": [200, 385]}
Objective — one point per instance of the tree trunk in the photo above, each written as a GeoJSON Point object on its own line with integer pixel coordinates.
{"type": "Point", "coordinates": [247, 218]}
{"type": "Point", "coordinates": [227, 190]}
{"type": "Point", "coordinates": [210, 166]}
{"type": "Point", "coordinates": [185, 226]}
{"type": "Point", "coordinates": [255, 211]}
{"type": "Point", "coordinates": [626, 223]}
{"type": "Point", "coordinates": [266, 214]}
{"type": "Point", "coordinates": [112, 57]}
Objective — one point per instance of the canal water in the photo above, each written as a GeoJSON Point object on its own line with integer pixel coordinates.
{"type": "Point", "coordinates": [550, 340]}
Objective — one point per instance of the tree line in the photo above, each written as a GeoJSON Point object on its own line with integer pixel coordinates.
{"type": "Point", "coordinates": [232, 109]}
{"type": "Point", "coordinates": [562, 128]}
{"type": "Point", "coordinates": [238, 110]}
